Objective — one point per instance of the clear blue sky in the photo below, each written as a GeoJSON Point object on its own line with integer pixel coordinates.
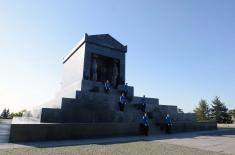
{"type": "Point", "coordinates": [178, 51]}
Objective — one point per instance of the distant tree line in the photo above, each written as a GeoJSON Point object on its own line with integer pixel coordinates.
{"type": "Point", "coordinates": [217, 111]}
{"type": "Point", "coordinates": [7, 115]}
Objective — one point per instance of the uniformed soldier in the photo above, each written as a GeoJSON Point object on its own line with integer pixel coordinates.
{"type": "Point", "coordinates": [107, 86]}
{"type": "Point", "coordinates": [126, 89]}
{"type": "Point", "coordinates": [122, 102]}
{"type": "Point", "coordinates": [168, 123]}
{"type": "Point", "coordinates": [143, 104]}
{"type": "Point", "coordinates": [145, 124]}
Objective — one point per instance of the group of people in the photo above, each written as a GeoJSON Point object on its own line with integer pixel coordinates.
{"type": "Point", "coordinates": [145, 120]}
{"type": "Point", "coordinates": [145, 124]}
{"type": "Point", "coordinates": [122, 98]}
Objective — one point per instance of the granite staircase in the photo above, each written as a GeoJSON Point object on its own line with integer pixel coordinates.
{"type": "Point", "coordinates": [90, 114]}
{"type": "Point", "coordinates": [92, 107]}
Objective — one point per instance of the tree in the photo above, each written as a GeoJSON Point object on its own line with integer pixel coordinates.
{"type": "Point", "coordinates": [202, 111]}
{"type": "Point", "coordinates": [5, 113]}
{"type": "Point", "coordinates": [219, 111]}
{"type": "Point", "coordinates": [17, 114]}
{"type": "Point", "coordinates": [232, 113]}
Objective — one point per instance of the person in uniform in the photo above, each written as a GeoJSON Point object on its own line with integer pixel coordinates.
{"type": "Point", "coordinates": [126, 89]}
{"type": "Point", "coordinates": [107, 86]}
{"type": "Point", "coordinates": [168, 123]}
{"type": "Point", "coordinates": [143, 104]}
{"type": "Point", "coordinates": [145, 124]}
{"type": "Point", "coordinates": [122, 102]}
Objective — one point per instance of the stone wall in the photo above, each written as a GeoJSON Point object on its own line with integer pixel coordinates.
{"type": "Point", "coordinates": [45, 132]}
{"type": "Point", "coordinates": [193, 126]}
{"type": "Point", "coordinates": [62, 131]}
{"type": "Point", "coordinates": [73, 69]}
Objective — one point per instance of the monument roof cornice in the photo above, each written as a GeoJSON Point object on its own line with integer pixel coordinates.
{"type": "Point", "coordinates": [102, 40]}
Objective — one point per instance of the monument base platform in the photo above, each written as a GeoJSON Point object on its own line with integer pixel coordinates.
{"type": "Point", "coordinates": [63, 131]}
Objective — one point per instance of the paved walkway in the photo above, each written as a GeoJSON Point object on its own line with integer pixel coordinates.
{"type": "Point", "coordinates": [220, 141]}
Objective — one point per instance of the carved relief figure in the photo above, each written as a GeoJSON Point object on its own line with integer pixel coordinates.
{"type": "Point", "coordinates": [94, 70]}
{"type": "Point", "coordinates": [115, 74]}
{"type": "Point", "coordinates": [103, 71]}
{"type": "Point", "coordinates": [86, 76]}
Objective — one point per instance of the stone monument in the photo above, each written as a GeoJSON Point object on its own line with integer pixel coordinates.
{"type": "Point", "coordinates": [82, 108]}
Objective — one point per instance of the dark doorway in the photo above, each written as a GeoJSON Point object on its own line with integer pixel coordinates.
{"type": "Point", "coordinates": [105, 67]}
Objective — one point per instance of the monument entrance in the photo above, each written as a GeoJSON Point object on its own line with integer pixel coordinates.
{"type": "Point", "coordinates": [105, 68]}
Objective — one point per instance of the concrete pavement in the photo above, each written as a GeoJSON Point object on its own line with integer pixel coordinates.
{"type": "Point", "coordinates": [221, 140]}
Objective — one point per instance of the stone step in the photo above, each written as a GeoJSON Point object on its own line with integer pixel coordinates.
{"type": "Point", "coordinates": [66, 102]}
{"type": "Point", "coordinates": [59, 131]}
{"type": "Point", "coordinates": [99, 87]}
{"type": "Point", "coordinates": [76, 112]}
{"type": "Point", "coordinates": [80, 95]}
{"type": "Point", "coordinates": [154, 129]}
{"type": "Point", "coordinates": [92, 106]}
